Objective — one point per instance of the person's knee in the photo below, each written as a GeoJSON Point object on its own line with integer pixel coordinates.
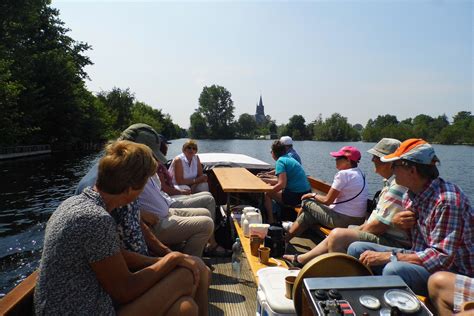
{"type": "Point", "coordinates": [436, 281]}
{"type": "Point", "coordinates": [186, 306]}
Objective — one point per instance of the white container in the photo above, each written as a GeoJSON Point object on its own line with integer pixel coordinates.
{"type": "Point", "coordinates": [271, 299]}
{"type": "Point", "coordinates": [251, 218]}
{"type": "Point", "coordinates": [260, 230]}
{"type": "Point", "coordinates": [245, 210]}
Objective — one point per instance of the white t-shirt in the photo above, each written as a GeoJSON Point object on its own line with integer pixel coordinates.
{"type": "Point", "coordinates": [349, 183]}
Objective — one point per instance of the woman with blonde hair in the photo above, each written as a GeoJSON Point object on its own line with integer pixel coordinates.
{"type": "Point", "coordinates": [82, 269]}
{"type": "Point", "coordinates": [186, 169]}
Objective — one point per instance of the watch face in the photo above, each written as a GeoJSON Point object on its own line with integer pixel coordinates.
{"type": "Point", "coordinates": [403, 300]}
{"type": "Point", "coordinates": [369, 301]}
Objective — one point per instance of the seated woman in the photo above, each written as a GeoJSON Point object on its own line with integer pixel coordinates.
{"type": "Point", "coordinates": [82, 269]}
{"type": "Point", "coordinates": [186, 170]}
{"type": "Point", "coordinates": [291, 182]}
{"type": "Point", "coordinates": [346, 202]}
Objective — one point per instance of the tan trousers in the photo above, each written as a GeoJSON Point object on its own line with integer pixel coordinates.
{"type": "Point", "coordinates": [197, 200]}
{"type": "Point", "coordinates": [193, 226]}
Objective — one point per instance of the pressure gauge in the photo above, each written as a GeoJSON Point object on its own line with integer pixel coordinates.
{"type": "Point", "coordinates": [403, 300]}
{"type": "Point", "coordinates": [369, 301]}
{"type": "Point", "coordinates": [385, 311]}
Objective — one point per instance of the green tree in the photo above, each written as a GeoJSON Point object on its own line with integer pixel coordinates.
{"type": "Point", "coordinates": [335, 128]}
{"type": "Point", "coordinates": [296, 127]}
{"type": "Point", "coordinates": [217, 107]}
{"type": "Point", "coordinates": [247, 125]}
{"type": "Point", "coordinates": [119, 104]}
{"type": "Point", "coordinates": [198, 128]}
{"type": "Point", "coordinates": [45, 75]}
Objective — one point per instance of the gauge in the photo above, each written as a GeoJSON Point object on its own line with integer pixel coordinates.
{"type": "Point", "coordinates": [385, 312]}
{"type": "Point", "coordinates": [403, 300]}
{"type": "Point", "coordinates": [369, 301]}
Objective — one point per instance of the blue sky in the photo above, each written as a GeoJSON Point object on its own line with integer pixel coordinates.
{"type": "Point", "coordinates": [358, 58]}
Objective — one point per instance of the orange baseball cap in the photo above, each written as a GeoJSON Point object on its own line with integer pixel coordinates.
{"type": "Point", "coordinates": [414, 149]}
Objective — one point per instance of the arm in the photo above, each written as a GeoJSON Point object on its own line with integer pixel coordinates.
{"type": "Point", "coordinates": [136, 261]}
{"type": "Point", "coordinates": [201, 177]}
{"type": "Point", "coordinates": [374, 258]}
{"type": "Point", "coordinates": [446, 234]}
{"type": "Point", "coordinates": [281, 182]}
{"type": "Point", "coordinates": [170, 190]}
{"type": "Point", "coordinates": [328, 198]}
{"type": "Point", "coordinates": [124, 286]}
{"type": "Point", "coordinates": [374, 227]}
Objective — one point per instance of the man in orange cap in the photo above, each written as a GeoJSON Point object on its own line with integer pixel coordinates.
{"type": "Point", "coordinates": [442, 235]}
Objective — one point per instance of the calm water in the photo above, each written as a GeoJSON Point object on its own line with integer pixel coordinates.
{"type": "Point", "coordinates": [31, 189]}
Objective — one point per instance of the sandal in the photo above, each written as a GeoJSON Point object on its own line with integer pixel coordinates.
{"type": "Point", "coordinates": [294, 262]}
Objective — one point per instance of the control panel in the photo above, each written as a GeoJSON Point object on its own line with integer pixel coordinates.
{"type": "Point", "coordinates": [374, 295]}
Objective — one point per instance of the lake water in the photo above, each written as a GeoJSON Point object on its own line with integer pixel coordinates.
{"type": "Point", "coordinates": [31, 189]}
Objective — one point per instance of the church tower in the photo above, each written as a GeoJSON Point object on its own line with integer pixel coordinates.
{"type": "Point", "coordinates": [260, 113]}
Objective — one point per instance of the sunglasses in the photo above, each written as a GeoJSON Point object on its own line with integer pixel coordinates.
{"type": "Point", "coordinates": [400, 164]}
{"type": "Point", "coordinates": [192, 148]}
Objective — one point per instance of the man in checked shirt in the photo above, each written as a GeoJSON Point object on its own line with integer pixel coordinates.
{"type": "Point", "coordinates": [440, 217]}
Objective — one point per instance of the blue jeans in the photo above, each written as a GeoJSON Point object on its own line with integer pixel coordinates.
{"type": "Point", "coordinates": [415, 276]}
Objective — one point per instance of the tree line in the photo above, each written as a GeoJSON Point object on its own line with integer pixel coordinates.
{"type": "Point", "coordinates": [43, 97]}
{"type": "Point", "coordinates": [214, 119]}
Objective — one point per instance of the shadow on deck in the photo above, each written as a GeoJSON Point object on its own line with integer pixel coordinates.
{"type": "Point", "coordinates": [229, 296]}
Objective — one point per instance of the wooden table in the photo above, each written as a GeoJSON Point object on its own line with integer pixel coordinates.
{"type": "Point", "coordinates": [239, 180]}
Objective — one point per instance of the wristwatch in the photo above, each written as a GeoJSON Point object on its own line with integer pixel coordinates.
{"type": "Point", "coordinates": [393, 256]}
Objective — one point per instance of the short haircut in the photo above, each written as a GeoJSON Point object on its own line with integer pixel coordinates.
{"type": "Point", "coordinates": [190, 142]}
{"type": "Point", "coordinates": [429, 172]}
{"type": "Point", "coordinates": [125, 165]}
{"type": "Point", "coordinates": [278, 149]}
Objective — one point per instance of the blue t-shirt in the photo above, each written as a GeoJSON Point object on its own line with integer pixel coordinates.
{"type": "Point", "coordinates": [296, 180]}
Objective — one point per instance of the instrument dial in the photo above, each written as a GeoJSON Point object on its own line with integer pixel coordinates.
{"type": "Point", "coordinates": [369, 301]}
{"type": "Point", "coordinates": [403, 300]}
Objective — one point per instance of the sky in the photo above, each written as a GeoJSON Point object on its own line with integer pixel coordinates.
{"type": "Point", "coordinates": [357, 58]}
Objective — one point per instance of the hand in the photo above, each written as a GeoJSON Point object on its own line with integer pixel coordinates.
{"type": "Point", "coordinates": [307, 196]}
{"type": "Point", "coordinates": [404, 220]}
{"type": "Point", "coordinates": [185, 191]}
{"type": "Point", "coordinates": [374, 258]}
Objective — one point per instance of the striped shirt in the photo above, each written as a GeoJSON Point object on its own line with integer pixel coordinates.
{"type": "Point", "coordinates": [443, 237]}
{"type": "Point", "coordinates": [390, 203]}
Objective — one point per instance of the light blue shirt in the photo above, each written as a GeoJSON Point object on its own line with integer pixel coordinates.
{"type": "Point", "coordinates": [293, 154]}
{"type": "Point", "coordinates": [296, 180]}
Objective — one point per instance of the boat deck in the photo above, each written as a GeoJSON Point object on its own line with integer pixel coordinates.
{"type": "Point", "coordinates": [229, 296]}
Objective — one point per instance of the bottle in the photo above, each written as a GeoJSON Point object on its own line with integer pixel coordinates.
{"type": "Point", "coordinates": [236, 258]}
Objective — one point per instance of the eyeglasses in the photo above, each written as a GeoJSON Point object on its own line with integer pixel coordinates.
{"type": "Point", "coordinates": [192, 148]}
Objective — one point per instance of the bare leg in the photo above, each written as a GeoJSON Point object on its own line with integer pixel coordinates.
{"type": "Point", "coordinates": [201, 297]}
{"type": "Point", "coordinates": [184, 306]}
{"type": "Point", "coordinates": [163, 295]}
{"type": "Point", "coordinates": [441, 290]}
{"type": "Point", "coordinates": [269, 209]}
{"type": "Point", "coordinates": [340, 238]}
